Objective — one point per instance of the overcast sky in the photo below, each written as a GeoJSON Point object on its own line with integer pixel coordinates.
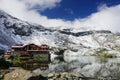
{"type": "Point", "coordinates": [75, 14]}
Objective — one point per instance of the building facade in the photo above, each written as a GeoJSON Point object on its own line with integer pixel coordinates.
{"type": "Point", "coordinates": [32, 55]}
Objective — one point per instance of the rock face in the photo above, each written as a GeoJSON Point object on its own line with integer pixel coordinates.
{"type": "Point", "coordinates": [12, 30]}
{"type": "Point", "coordinates": [15, 31]}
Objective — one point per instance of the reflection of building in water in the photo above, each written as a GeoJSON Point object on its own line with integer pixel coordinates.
{"type": "Point", "coordinates": [32, 55]}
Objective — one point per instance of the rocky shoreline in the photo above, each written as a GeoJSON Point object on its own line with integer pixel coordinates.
{"type": "Point", "coordinates": [21, 74]}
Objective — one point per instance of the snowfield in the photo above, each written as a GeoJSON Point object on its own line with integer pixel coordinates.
{"type": "Point", "coordinates": [15, 31]}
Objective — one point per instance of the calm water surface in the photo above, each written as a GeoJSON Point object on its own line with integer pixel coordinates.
{"type": "Point", "coordinates": [89, 66]}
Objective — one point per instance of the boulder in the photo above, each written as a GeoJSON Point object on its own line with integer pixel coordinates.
{"type": "Point", "coordinates": [18, 74]}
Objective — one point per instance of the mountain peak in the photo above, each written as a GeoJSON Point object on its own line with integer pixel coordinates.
{"type": "Point", "coordinates": [16, 31]}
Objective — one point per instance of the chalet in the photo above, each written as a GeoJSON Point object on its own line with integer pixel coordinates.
{"type": "Point", "coordinates": [32, 55]}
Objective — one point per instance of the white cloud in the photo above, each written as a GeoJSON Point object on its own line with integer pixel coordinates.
{"type": "Point", "coordinates": [107, 18]}
{"type": "Point", "coordinates": [42, 4]}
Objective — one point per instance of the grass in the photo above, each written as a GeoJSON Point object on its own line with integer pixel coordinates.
{"type": "Point", "coordinates": [103, 53]}
{"type": "Point", "coordinates": [17, 62]}
{"type": "Point", "coordinates": [45, 57]}
{"type": "Point", "coordinates": [106, 55]}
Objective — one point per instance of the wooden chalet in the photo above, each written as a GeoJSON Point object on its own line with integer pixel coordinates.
{"type": "Point", "coordinates": [32, 55]}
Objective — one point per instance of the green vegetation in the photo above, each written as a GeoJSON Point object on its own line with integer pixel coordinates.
{"type": "Point", "coordinates": [103, 53]}
{"type": "Point", "coordinates": [41, 57]}
{"type": "Point", "coordinates": [2, 51]}
{"type": "Point", "coordinates": [106, 55]}
{"type": "Point", "coordinates": [17, 62]}
{"type": "Point", "coordinates": [4, 64]}
{"type": "Point", "coordinates": [24, 57]}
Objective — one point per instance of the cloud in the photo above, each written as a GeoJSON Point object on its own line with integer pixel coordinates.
{"type": "Point", "coordinates": [106, 18]}
{"type": "Point", "coordinates": [41, 4]}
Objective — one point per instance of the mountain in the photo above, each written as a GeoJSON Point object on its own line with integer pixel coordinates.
{"type": "Point", "coordinates": [15, 31]}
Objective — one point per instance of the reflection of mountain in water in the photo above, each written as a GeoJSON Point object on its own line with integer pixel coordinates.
{"type": "Point", "coordinates": [88, 66]}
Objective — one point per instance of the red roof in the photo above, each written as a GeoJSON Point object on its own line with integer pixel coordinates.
{"type": "Point", "coordinates": [24, 53]}
{"type": "Point", "coordinates": [21, 46]}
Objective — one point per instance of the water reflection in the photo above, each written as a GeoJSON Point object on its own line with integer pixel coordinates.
{"type": "Point", "coordinates": [71, 63]}
{"type": "Point", "coordinates": [90, 66]}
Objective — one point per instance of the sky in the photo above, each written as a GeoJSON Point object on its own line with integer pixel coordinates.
{"type": "Point", "coordinates": [77, 15]}
{"type": "Point", "coordinates": [72, 9]}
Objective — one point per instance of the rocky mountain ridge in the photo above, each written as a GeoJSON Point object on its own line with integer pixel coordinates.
{"type": "Point", "coordinates": [15, 31]}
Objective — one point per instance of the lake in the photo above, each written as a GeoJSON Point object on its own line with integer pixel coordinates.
{"type": "Point", "coordinates": [89, 66]}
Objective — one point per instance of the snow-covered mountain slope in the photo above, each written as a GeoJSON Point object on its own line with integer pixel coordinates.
{"type": "Point", "coordinates": [15, 31]}
{"type": "Point", "coordinates": [12, 30]}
